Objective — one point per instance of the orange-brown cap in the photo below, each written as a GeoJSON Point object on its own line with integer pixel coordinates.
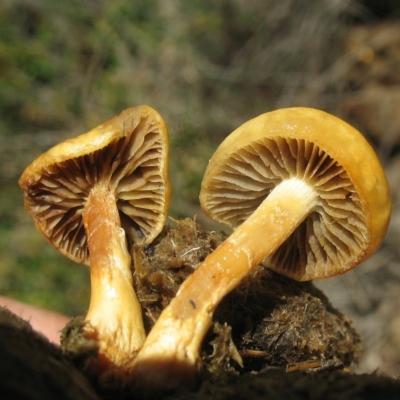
{"type": "Point", "coordinates": [129, 154]}
{"type": "Point", "coordinates": [354, 204]}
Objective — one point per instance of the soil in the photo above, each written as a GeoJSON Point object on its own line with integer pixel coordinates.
{"type": "Point", "coordinates": [32, 368]}
{"type": "Point", "coordinates": [271, 336]}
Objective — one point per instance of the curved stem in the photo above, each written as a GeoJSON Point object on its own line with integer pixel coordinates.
{"type": "Point", "coordinates": [170, 355]}
{"type": "Point", "coordinates": [114, 312]}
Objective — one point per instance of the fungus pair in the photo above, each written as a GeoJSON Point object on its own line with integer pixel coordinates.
{"type": "Point", "coordinates": [305, 189]}
{"type": "Point", "coordinates": [89, 195]}
{"type": "Point", "coordinates": [310, 200]}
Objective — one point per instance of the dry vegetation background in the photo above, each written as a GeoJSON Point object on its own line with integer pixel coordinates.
{"type": "Point", "coordinates": [206, 66]}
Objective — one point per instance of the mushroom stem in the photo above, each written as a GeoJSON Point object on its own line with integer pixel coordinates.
{"type": "Point", "coordinates": [114, 312]}
{"type": "Point", "coordinates": [170, 355]}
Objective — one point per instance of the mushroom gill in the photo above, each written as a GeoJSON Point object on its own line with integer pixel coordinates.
{"type": "Point", "coordinates": [131, 166]}
{"type": "Point", "coordinates": [252, 172]}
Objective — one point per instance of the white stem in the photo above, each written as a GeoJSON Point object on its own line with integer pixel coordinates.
{"type": "Point", "coordinates": [170, 355]}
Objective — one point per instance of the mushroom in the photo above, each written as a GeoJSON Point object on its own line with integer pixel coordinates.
{"type": "Point", "coordinates": [87, 196]}
{"type": "Point", "coordinates": [312, 201]}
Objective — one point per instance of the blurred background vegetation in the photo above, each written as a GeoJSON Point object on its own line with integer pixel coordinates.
{"type": "Point", "coordinates": [207, 67]}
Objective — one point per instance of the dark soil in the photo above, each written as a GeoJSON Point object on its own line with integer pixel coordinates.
{"type": "Point", "coordinates": [269, 324]}
{"type": "Point", "coordinates": [32, 368]}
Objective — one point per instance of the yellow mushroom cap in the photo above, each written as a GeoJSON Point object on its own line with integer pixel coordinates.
{"type": "Point", "coordinates": [129, 154]}
{"type": "Point", "coordinates": [351, 217]}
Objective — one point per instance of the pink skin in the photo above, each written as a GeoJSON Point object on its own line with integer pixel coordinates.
{"type": "Point", "coordinates": [47, 322]}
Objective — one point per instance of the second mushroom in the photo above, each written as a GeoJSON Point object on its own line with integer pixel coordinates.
{"type": "Point", "coordinates": [310, 200]}
{"type": "Point", "coordinates": [89, 195]}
